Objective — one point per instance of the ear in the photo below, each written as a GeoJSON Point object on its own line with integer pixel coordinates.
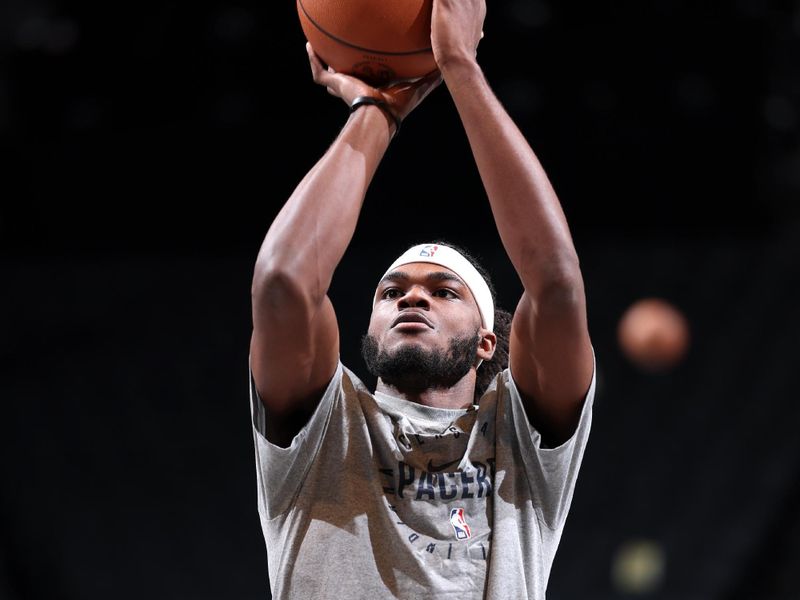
{"type": "Point", "coordinates": [487, 344]}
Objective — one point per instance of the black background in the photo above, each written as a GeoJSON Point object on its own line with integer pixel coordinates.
{"type": "Point", "coordinates": [145, 149]}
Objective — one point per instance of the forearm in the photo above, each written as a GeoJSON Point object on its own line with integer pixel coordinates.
{"type": "Point", "coordinates": [527, 212]}
{"type": "Point", "coordinates": [309, 236]}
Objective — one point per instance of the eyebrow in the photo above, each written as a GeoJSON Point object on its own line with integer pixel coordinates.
{"type": "Point", "coordinates": [436, 276]}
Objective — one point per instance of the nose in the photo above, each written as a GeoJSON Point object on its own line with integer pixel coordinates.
{"type": "Point", "coordinates": [415, 297]}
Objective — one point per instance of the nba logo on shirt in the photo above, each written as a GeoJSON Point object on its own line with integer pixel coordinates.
{"type": "Point", "coordinates": [429, 250]}
{"type": "Point", "coordinates": [459, 524]}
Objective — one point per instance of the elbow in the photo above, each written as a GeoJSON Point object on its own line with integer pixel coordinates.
{"type": "Point", "coordinates": [287, 271]}
{"type": "Point", "coordinates": [557, 279]}
{"type": "Point", "coordinates": [560, 295]}
{"type": "Point", "coordinates": [275, 288]}
{"type": "Point", "coordinates": [546, 261]}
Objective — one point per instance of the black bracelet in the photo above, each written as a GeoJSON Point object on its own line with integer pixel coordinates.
{"type": "Point", "coordinates": [362, 100]}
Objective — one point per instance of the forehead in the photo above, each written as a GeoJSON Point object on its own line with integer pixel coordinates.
{"type": "Point", "coordinates": [421, 272]}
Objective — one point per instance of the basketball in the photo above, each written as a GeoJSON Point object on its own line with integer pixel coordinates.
{"type": "Point", "coordinates": [653, 334]}
{"type": "Point", "coordinates": [378, 42]}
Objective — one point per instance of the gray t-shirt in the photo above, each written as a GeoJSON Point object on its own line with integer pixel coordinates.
{"type": "Point", "coordinates": [378, 497]}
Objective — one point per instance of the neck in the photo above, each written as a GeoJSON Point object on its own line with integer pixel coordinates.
{"type": "Point", "coordinates": [461, 395]}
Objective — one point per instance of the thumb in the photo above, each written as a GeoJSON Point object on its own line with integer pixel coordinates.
{"type": "Point", "coordinates": [431, 80]}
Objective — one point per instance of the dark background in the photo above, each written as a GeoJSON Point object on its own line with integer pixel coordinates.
{"type": "Point", "coordinates": [145, 149]}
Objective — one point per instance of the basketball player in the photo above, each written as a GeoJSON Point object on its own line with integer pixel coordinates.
{"type": "Point", "coordinates": [428, 487]}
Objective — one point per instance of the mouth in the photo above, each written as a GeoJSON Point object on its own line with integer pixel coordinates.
{"type": "Point", "coordinates": [413, 319]}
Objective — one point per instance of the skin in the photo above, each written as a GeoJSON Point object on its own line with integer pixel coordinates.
{"type": "Point", "coordinates": [450, 310]}
{"type": "Point", "coordinates": [550, 349]}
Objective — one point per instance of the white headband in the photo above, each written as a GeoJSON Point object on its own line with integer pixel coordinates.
{"type": "Point", "coordinates": [455, 261]}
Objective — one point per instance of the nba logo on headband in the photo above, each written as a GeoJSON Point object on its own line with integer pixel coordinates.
{"type": "Point", "coordinates": [428, 250]}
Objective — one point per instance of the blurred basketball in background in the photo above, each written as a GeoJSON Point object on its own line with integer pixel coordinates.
{"type": "Point", "coordinates": [378, 42]}
{"type": "Point", "coordinates": [653, 334]}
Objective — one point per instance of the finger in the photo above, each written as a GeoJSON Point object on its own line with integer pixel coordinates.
{"type": "Point", "coordinates": [317, 60]}
{"type": "Point", "coordinates": [312, 59]}
{"type": "Point", "coordinates": [317, 70]}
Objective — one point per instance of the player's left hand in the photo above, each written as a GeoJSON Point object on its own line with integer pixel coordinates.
{"type": "Point", "coordinates": [456, 29]}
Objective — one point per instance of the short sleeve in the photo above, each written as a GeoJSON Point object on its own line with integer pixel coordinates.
{"type": "Point", "coordinates": [551, 472]}
{"type": "Point", "coordinates": [281, 471]}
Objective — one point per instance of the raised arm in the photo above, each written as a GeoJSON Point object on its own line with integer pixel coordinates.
{"type": "Point", "coordinates": [294, 346]}
{"type": "Point", "coordinates": [550, 351]}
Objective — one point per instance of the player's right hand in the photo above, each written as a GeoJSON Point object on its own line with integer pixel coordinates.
{"type": "Point", "coordinates": [346, 87]}
{"type": "Point", "coordinates": [401, 96]}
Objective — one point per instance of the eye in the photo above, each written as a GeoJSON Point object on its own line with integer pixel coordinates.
{"type": "Point", "coordinates": [445, 293]}
{"type": "Point", "coordinates": [390, 293]}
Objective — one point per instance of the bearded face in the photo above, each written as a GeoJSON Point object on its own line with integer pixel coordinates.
{"type": "Point", "coordinates": [425, 331]}
{"type": "Point", "coordinates": [412, 368]}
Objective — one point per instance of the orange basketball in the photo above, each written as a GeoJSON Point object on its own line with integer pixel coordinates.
{"type": "Point", "coordinates": [653, 334]}
{"type": "Point", "coordinates": [377, 41]}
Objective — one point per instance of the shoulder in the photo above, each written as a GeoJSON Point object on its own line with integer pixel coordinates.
{"type": "Point", "coordinates": [500, 380]}
{"type": "Point", "coordinates": [349, 381]}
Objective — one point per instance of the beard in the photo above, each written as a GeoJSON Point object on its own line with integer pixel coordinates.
{"type": "Point", "coordinates": [413, 369]}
